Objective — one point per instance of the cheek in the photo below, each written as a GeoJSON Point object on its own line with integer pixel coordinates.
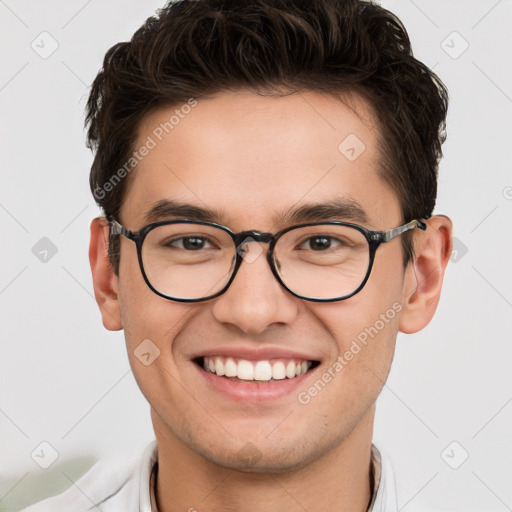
{"type": "Point", "coordinates": [356, 372]}
{"type": "Point", "coordinates": [140, 306]}
{"type": "Point", "coordinates": [150, 323]}
{"type": "Point", "coordinates": [364, 327]}
{"type": "Point", "coordinates": [365, 337]}
{"type": "Point", "coordinates": [149, 317]}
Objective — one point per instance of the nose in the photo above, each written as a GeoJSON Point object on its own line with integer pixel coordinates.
{"type": "Point", "coordinates": [255, 299]}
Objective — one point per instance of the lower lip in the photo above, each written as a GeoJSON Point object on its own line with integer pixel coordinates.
{"type": "Point", "coordinates": [254, 391]}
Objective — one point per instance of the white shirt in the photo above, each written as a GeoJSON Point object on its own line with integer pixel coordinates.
{"type": "Point", "coordinates": [126, 484]}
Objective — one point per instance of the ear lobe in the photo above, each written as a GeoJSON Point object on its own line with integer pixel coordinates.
{"type": "Point", "coordinates": [424, 275]}
{"type": "Point", "coordinates": [105, 282]}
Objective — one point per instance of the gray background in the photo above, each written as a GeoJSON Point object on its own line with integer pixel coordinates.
{"type": "Point", "coordinates": [66, 381]}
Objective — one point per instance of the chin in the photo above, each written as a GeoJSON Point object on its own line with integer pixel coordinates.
{"type": "Point", "coordinates": [264, 456]}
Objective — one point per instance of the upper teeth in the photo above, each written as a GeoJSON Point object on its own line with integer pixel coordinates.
{"type": "Point", "coordinates": [256, 370]}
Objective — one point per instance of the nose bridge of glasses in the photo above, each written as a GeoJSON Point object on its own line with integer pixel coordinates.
{"type": "Point", "coordinates": [251, 236]}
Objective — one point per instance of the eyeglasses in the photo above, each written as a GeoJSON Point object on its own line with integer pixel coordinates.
{"type": "Point", "coordinates": [190, 261]}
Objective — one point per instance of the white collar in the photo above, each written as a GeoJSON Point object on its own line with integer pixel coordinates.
{"type": "Point", "coordinates": [147, 476]}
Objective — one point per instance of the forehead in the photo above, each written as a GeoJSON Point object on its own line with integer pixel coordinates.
{"type": "Point", "coordinates": [252, 158]}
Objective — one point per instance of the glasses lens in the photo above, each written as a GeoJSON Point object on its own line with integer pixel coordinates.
{"type": "Point", "coordinates": [195, 261]}
{"type": "Point", "coordinates": [188, 261]}
{"type": "Point", "coordinates": [322, 262]}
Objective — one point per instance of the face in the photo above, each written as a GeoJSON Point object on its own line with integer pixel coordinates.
{"type": "Point", "coordinates": [253, 159]}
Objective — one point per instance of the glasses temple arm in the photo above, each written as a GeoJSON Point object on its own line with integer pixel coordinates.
{"type": "Point", "coordinates": [394, 232]}
{"type": "Point", "coordinates": [118, 229]}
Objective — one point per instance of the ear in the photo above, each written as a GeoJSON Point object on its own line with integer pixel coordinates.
{"type": "Point", "coordinates": [424, 275]}
{"type": "Point", "coordinates": [105, 282]}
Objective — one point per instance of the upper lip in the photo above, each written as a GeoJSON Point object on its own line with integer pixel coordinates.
{"type": "Point", "coordinates": [255, 354]}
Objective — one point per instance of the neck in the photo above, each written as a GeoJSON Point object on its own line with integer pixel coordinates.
{"type": "Point", "coordinates": [339, 480]}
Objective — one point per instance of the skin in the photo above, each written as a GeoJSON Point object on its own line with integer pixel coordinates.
{"type": "Point", "coordinates": [252, 157]}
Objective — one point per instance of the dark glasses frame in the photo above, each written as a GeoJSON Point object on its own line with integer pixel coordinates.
{"type": "Point", "coordinates": [374, 238]}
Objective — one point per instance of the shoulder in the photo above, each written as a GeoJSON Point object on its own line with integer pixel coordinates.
{"type": "Point", "coordinates": [114, 483]}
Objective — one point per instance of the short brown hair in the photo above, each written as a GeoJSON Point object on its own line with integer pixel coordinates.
{"type": "Point", "coordinates": [196, 48]}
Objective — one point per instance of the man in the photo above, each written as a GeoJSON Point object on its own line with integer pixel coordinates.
{"type": "Point", "coordinates": [268, 172]}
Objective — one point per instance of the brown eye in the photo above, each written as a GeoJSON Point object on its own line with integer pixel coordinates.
{"type": "Point", "coordinates": [319, 243]}
{"type": "Point", "coordinates": [189, 243]}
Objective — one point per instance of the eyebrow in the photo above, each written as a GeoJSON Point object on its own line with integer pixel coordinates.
{"type": "Point", "coordinates": [167, 208]}
{"type": "Point", "coordinates": [344, 209]}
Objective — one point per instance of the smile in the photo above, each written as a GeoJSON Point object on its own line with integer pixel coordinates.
{"type": "Point", "coordinates": [255, 374]}
{"type": "Point", "coordinates": [267, 370]}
